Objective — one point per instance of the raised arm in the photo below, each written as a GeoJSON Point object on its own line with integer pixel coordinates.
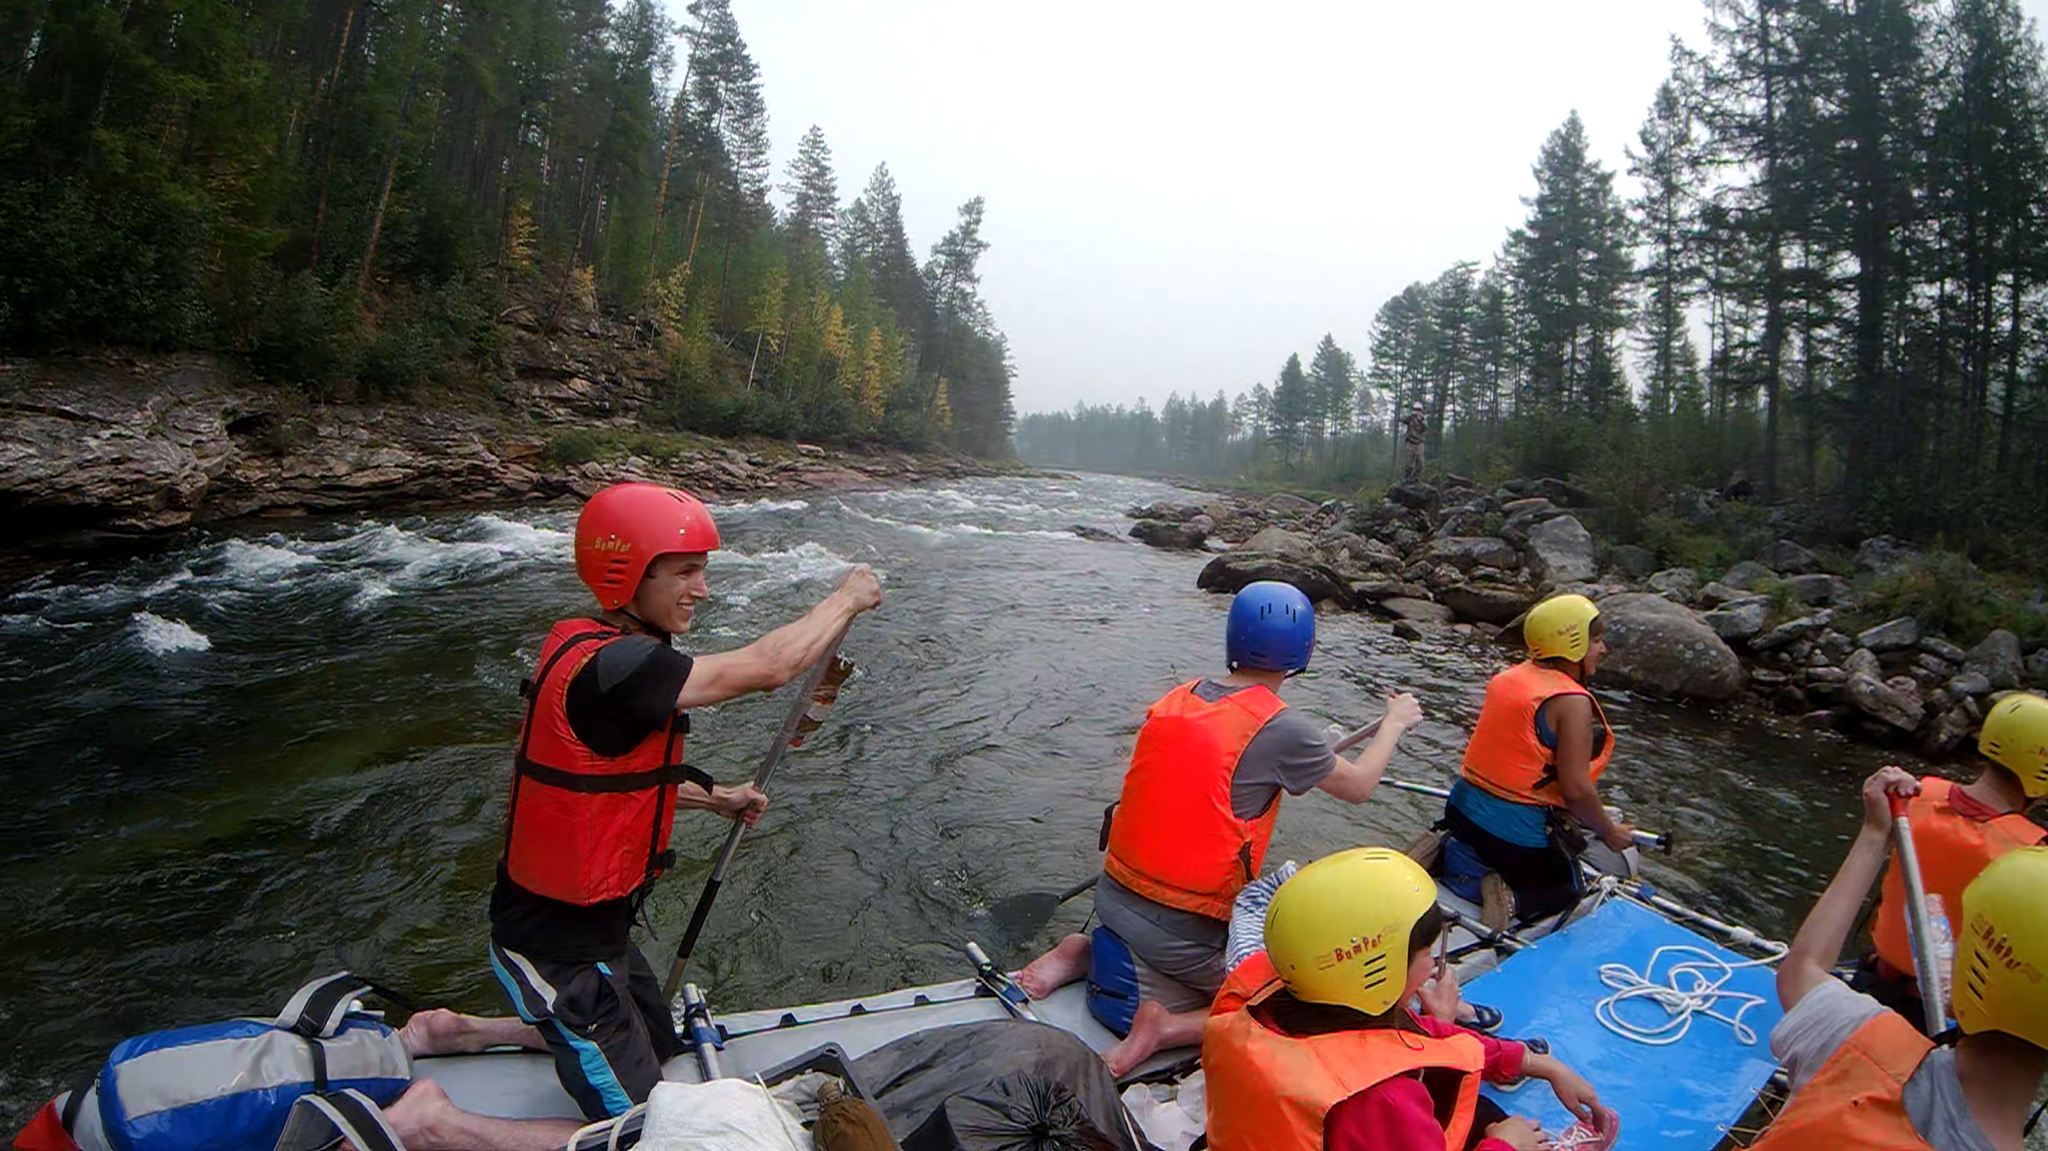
{"type": "Point", "coordinates": [1818, 946]}
{"type": "Point", "coordinates": [782, 654]}
{"type": "Point", "coordinates": [1353, 780]}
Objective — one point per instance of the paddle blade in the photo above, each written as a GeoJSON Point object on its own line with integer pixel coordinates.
{"type": "Point", "coordinates": [1023, 916]}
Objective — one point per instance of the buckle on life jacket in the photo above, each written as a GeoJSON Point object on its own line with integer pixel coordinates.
{"type": "Point", "coordinates": [1102, 838]}
{"type": "Point", "coordinates": [662, 861]}
{"type": "Point", "coordinates": [526, 687]}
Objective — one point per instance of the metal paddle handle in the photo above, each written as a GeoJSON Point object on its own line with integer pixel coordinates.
{"type": "Point", "coordinates": [1658, 840]}
{"type": "Point", "coordinates": [1925, 959]}
{"type": "Point", "coordinates": [762, 775]}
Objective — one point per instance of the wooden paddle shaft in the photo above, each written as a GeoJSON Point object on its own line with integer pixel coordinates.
{"type": "Point", "coordinates": [1926, 959]}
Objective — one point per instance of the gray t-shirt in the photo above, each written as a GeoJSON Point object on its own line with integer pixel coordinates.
{"type": "Point", "coordinates": [1819, 1024]}
{"type": "Point", "coordinates": [1290, 754]}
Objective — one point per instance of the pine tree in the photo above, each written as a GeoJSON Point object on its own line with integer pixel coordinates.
{"type": "Point", "coordinates": [1667, 164]}
{"type": "Point", "coordinates": [813, 191]}
{"type": "Point", "coordinates": [1332, 379]}
{"type": "Point", "coordinates": [1292, 409]}
{"type": "Point", "coordinates": [1570, 265]}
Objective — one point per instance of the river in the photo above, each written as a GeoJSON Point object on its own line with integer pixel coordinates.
{"type": "Point", "coordinates": [260, 756]}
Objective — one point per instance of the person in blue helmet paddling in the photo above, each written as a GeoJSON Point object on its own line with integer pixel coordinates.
{"type": "Point", "coordinates": [1198, 806]}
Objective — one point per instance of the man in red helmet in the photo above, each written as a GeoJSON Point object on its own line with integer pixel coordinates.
{"type": "Point", "coordinates": [600, 774]}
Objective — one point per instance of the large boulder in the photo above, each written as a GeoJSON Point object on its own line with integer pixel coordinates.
{"type": "Point", "coordinates": [1487, 603]}
{"type": "Point", "coordinates": [1891, 635]}
{"type": "Point", "coordinates": [1792, 631]}
{"type": "Point", "coordinates": [1818, 589]}
{"type": "Point", "coordinates": [1936, 646]}
{"type": "Point", "coordinates": [1169, 535]}
{"type": "Point", "coordinates": [1280, 542]}
{"type": "Point", "coordinates": [1379, 590]}
{"type": "Point", "coordinates": [1998, 659]}
{"type": "Point", "coordinates": [1289, 506]}
{"type": "Point", "coordinates": [1749, 576]}
{"type": "Point", "coordinates": [1468, 552]}
{"type": "Point", "coordinates": [1170, 512]}
{"type": "Point", "coordinates": [1789, 558]}
{"type": "Point", "coordinates": [1659, 646]}
{"type": "Point", "coordinates": [1739, 621]}
{"type": "Point", "coordinates": [1524, 515]}
{"type": "Point", "coordinates": [1718, 594]}
{"type": "Point", "coordinates": [1099, 535]}
{"type": "Point", "coordinates": [1632, 561]}
{"type": "Point", "coordinates": [1421, 497]}
{"type": "Point", "coordinates": [1680, 584]}
{"type": "Point", "coordinates": [1863, 661]}
{"type": "Point", "coordinates": [1414, 610]}
{"type": "Point", "coordinates": [1563, 493]}
{"type": "Point", "coordinates": [1231, 571]}
{"type": "Point", "coordinates": [1561, 551]}
{"type": "Point", "coordinates": [1882, 553]}
{"type": "Point", "coordinates": [1886, 702]}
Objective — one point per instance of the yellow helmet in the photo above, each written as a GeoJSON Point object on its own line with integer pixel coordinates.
{"type": "Point", "coordinates": [1338, 931]}
{"type": "Point", "coordinates": [2015, 737]}
{"type": "Point", "coordinates": [1560, 627]}
{"type": "Point", "coordinates": [2001, 966]}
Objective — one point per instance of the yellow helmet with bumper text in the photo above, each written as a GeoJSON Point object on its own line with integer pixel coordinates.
{"type": "Point", "coordinates": [1338, 931]}
{"type": "Point", "coordinates": [1560, 627]}
{"type": "Point", "coordinates": [2001, 964]}
{"type": "Point", "coordinates": [2015, 737]}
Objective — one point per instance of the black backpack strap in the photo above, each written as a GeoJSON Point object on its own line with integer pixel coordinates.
{"type": "Point", "coordinates": [317, 1120]}
{"type": "Point", "coordinates": [612, 784]}
{"type": "Point", "coordinates": [74, 1100]}
{"type": "Point", "coordinates": [317, 1009]}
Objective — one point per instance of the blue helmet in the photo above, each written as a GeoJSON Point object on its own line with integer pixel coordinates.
{"type": "Point", "coordinates": [1272, 628]}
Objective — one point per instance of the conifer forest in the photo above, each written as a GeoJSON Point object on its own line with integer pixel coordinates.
{"type": "Point", "coordinates": [1830, 285]}
{"type": "Point", "coordinates": [351, 193]}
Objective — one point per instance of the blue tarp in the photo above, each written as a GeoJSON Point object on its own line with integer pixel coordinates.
{"type": "Point", "coordinates": [1680, 1097]}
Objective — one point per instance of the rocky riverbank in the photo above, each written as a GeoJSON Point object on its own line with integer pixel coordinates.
{"type": "Point", "coordinates": [1777, 630]}
{"type": "Point", "coordinates": [115, 449]}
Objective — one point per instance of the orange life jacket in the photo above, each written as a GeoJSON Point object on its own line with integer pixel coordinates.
{"type": "Point", "coordinates": [1271, 1092]}
{"type": "Point", "coordinates": [1174, 838]}
{"type": "Point", "coordinates": [1954, 849]}
{"type": "Point", "coordinates": [586, 828]}
{"type": "Point", "coordinates": [1857, 1100]}
{"type": "Point", "coordinates": [1505, 758]}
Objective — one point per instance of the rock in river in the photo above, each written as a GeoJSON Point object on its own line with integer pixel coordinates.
{"type": "Point", "coordinates": [1662, 647]}
{"type": "Point", "coordinates": [1231, 571]}
{"type": "Point", "coordinates": [1561, 551]}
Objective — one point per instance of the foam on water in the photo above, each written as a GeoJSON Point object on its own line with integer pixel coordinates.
{"type": "Point", "coordinates": [160, 636]}
{"type": "Point", "coordinates": [760, 505]}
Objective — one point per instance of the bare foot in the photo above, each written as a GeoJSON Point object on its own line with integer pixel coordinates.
{"type": "Point", "coordinates": [1146, 1026]}
{"type": "Point", "coordinates": [436, 1031]}
{"type": "Point", "coordinates": [417, 1114]}
{"type": "Point", "coordinates": [1055, 969]}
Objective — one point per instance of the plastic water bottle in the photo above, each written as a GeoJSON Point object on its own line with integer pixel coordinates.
{"type": "Point", "coordinates": [1944, 944]}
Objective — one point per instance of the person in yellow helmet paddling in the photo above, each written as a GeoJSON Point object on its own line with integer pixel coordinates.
{"type": "Point", "coordinates": [1959, 829]}
{"type": "Point", "coordinates": [1529, 799]}
{"type": "Point", "coordinates": [1863, 1078]}
{"type": "Point", "coordinates": [1312, 1046]}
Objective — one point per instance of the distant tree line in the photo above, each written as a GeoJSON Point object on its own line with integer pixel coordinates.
{"type": "Point", "coordinates": [1833, 283]}
{"type": "Point", "coordinates": [353, 191]}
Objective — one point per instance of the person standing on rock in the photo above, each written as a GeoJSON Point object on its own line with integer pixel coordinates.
{"type": "Point", "coordinates": [1191, 827]}
{"type": "Point", "coordinates": [1959, 829]}
{"type": "Point", "coordinates": [1520, 819]}
{"type": "Point", "coordinates": [598, 778]}
{"type": "Point", "coordinates": [1414, 434]}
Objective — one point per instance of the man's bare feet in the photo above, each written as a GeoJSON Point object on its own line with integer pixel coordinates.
{"type": "Point", "coordinates": [424, 1119]}
{"type": "Point", "coordinates": [1151, 1019]}
{"type": "Point", "coordinates": [1154, 1029]}
{"type": "Point", "coordinates": [439, 1031]}
{"type": "Point", "coordinates": [1065, 963]}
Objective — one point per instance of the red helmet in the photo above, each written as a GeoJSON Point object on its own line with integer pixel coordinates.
{"type": "Point", "coordinates": [625, 526]}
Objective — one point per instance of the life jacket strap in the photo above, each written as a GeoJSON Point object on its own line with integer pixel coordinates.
{"type": "Point", "coordinates": [613, 783]}
{"type": "Point", "coordinates": [317, 1119]}
{"type": "Point", "coordinates": [317, 1009]}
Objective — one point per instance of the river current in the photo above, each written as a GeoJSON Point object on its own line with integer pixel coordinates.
{"type": "Point", "coordinates": [264, 755]}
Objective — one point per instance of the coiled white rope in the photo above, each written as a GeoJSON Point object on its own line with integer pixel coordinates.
{"type": "Point", "coordinates": [1694, 986]}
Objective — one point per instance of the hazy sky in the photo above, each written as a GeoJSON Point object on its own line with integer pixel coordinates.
{"type": "Point", "coordinates": [1182, 193]}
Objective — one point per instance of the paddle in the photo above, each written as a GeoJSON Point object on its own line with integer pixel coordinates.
{"type": "Point", "coordinates": [805, 713]}
{"type": "Point", "coordinates": [1926, 960]}
{"type": "Point", "coordinates": [1020, 916]}
{"type": "Point", "coordinates": [1659, 840]}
